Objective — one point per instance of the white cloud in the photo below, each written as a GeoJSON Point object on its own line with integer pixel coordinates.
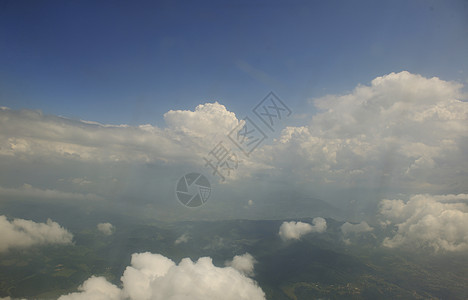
{"type": "Point", "coordinates": [243, 263]}
{"type": "Point", "coordinates": [208, 121]}
{"type": "Point", "coordinates": [348, 228]}
{"type": "Point", "coordinates": [402, 131]}
{"type": "Point", "coordinates": [428, 222]}
{"type": "Point", "coordinates": [29, 134]}
{"type": "Point", "coordinates": [20, 233]}
{"type": "Point", "coordinates": [95, 288]}
{"type": "Point", "coordinates": [295, 230]}
{"type": "Point", "coordinates": [398, 131]}
{"type": "Point", "coordinates": [106, 228]}
{"type": "Point", "coordinates": [82, 155]}
{"type": "Point", "coordinates": [353, 230]}
{"type": "Point", "coordinates": [184, 238]}
{"type": "Point", "coordinates": [153, 276]}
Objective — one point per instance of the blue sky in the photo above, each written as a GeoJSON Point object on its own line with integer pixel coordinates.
{"type": "Point", "coordinates": [123, 62]}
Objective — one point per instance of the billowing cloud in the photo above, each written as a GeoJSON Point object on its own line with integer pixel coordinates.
{"type": "Point", "coordinates": [398, 129]}
{"type": "Point", "coordinates": [348, 228]}
{"type": "Point", "coordinates": [153, 276]}
{"type": "Point", "coordinates": [243, 263]}
{"type": "Point", "coordinates": [84, 160]}
{"type": "Point", "coordinates": [438, 223]}
{"type": "Point", "coordinates": [184, 238]}
{"type": "Point", "coordinates": [402, 130]}
{"type": "Point", "coordinates": [29, 134]}
{"type": "Point", "coordinates": [106, 228]}
{"type": "Point", "coordinates": [295, 230]}
{"type": "Point", "coordinates": [95, 288]}
{"type": "Point", "coordinates": [20, 233]}
{"type": "Point", "coordinates": [208, 121]}
{"type": "Point", "coordinates": [353, 230]}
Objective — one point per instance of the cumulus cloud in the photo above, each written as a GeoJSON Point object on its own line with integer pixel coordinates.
{"type": "Point", "coordinates": [184, 238]}
{"type": "Point", "coordinates": [153, 276]}
{"type": "Point", "coordinates": [348, 228]}
{"type": "Point", "coordinates": [438, 223]}
{"type": "Point", "coordinates": [403, 130]}
{"type": "Point", "coordinates": [353, 230]}
{"type": "Point", "coordinates": [20, 233]}
{"type": "Point", "coordinates": [295, 230]}
{"type": "Point", "coordinates": [95, 288]}
{"type": "Point", "coordinates": [399, 129]}
{"type": "Point", "coordinates": [243, 263]}
{"type": "Point", "coordinates": [31, 142]}
{"type": "Point", "coordinates": [106, 228]}
{"type": "Point", "coordinates": [209, 120]}
{"type": "Point", "coordinates": [30, 134]}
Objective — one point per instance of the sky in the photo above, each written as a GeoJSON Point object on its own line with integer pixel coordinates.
{"type": "Point", "coordinates": [117, 62]}
{"type": "Point", "coordinates": [109, 103]}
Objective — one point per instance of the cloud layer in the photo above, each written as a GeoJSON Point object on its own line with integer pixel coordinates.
{"type": "Point", "coordinates": [28, 191]}
{"type": "Point", "coordinates": [402, 133]}
{"type": "Point", "coordinates": [399, 129]}
{"type": "Point", "coordinates": [438, 223]}
{"type": "Point", "coordinates": [153, 276]}
{"type": "Point", "coordinates": [295, 230]}
{"type": "Point", "coordinates": [28, 134]}
{"type": "Point", "coordinates": [20, 233]}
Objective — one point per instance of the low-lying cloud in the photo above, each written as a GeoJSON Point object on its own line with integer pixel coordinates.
{"type": "Point", "coordinates": [20, 233]}
{"type": "Point", "coordinates": [349, 228]}
{"type": "Point", "coordinates": [106, 228]}
{"type": "Point", "coordinates": [295, 230]}
{"type": "Point", "coordinates": [155, 277]}
{"type": "Point", "coordinates": [184, 238]}
{"type": "Point", "coordinates": [243, 263]}
{"type": "Point", "coordinates": [438, 223]}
